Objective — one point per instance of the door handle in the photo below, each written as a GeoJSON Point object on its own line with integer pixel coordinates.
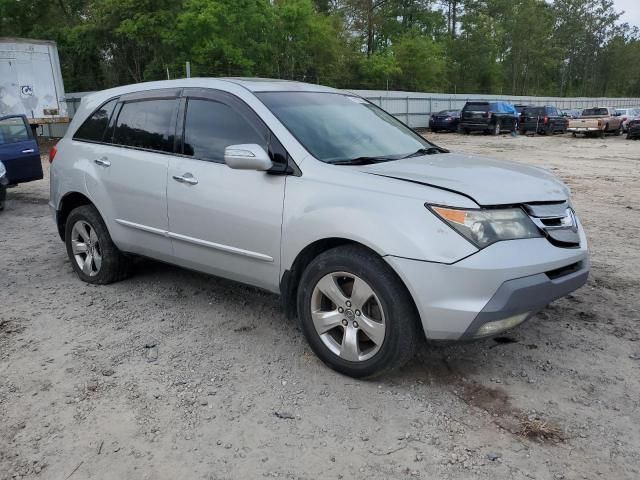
{"type": "Point", "coordinates": [186, 178]}
{"type": "Point", "coordinates": [103, 162]}
{"type": "Point", "coordinates": [28, 150]}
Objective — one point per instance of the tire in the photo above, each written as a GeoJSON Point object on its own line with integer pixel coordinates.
{"type": "Point", "coordinates": [497, 128]}
{"type": "Point", "coordinates": [84, 230]}
{"type": "Point", "coordinates": [397, 326]}
{"type": "Point", "coordinates": [619, 131]}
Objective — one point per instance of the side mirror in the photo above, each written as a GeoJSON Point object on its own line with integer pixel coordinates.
{"type": "Point", "coordinates": [248, 156]}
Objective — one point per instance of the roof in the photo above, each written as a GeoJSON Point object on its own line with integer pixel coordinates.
{"type": "Point", "coordinates": [251, 84]}
{"type": "Point", "coordinates": [26, 40]}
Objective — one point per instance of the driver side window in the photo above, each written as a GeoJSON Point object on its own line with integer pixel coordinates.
{"type": "Point", "coordinates": [211, 126]}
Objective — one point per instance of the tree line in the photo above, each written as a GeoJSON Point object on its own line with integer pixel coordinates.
{"type": "Point", "coordinates": [517, 47]}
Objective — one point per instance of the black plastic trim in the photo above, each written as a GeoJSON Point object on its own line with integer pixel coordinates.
{"type": "Point", "coordinates": [527, 294]}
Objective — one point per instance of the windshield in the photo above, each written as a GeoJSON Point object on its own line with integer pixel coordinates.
{"type": "Point", "coordinates": [335, 127]}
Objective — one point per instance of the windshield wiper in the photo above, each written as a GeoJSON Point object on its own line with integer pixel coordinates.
{"type": "Point", "coordinates": [361, 161]}
{"type": "Point", "coordinates": [427, 151]}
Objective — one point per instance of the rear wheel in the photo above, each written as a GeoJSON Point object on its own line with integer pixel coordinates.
{"type": "Point", "coordinates": [497, 128]}
{"type": "Point", "coordinates": [93, 255]}
{"type": "Point", "coordinates": [356, 314]}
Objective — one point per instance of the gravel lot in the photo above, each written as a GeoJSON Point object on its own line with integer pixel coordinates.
{"type": "Point", "coordinates": [172, 374]}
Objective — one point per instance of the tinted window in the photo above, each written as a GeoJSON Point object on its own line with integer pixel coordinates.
{"type": "Point", "coordinates": [534, 111]}
{"type": "Point", "coordinates": [211, 126]}
{"type": "Point", "coordinates": [13, 130]}
{"type": "Point", "coordinates": [146, 124]}
{"type": "Point", "coordinates": [477, 107]}
{"type": "Point", "coordinates": [94, 127]}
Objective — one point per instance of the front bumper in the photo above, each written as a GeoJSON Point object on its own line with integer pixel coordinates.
{"type": "Point", "coordinates": [506, 279]}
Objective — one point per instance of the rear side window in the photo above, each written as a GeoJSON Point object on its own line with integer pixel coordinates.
{"type": "Point", "coordinates": [146, 124]}
{"type": "Point", "coordinates": [13, 130]}
{"type": "Point", "coordinates": [211, 126]}
{"type": "Point", "coordinates": [94, 127]}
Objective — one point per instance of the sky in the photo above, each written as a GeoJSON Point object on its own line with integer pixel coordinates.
{"type": "Point", "coordinates": [632, 11]}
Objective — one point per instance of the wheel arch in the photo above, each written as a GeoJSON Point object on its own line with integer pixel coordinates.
{"type": "Point", "coordinates": [290, 278]}
{"type": "Point", "coordinates": [68, 202]}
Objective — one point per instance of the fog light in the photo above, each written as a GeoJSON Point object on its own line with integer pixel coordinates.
{"type": "Point", "coordinates": [491, 328]}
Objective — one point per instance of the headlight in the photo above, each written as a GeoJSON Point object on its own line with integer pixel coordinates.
{"type": "Point", "coordinates": [482, 227]}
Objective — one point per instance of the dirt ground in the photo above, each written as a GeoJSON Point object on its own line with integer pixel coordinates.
{"type": "Point", "coordinates": [176, 375]}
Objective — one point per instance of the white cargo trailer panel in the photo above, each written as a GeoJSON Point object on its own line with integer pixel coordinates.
{"type": "Point", "coordinates": [31, 80]}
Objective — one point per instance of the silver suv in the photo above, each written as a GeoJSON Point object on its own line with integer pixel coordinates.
{"type": "Point", "coordinates": [374, 237]}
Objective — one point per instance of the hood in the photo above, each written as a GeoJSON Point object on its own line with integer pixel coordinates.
{"type": "Point", "coordinates": [486, 181]}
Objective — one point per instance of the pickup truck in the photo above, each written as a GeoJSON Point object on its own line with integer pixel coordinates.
{"type": "Point", "coordinates": [596, 121]}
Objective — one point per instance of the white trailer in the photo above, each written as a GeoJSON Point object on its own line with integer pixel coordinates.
{"type": "Point", "coordinates": [31, 81]}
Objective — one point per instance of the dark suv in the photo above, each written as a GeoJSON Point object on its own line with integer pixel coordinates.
{"type": "Point", "coordinates": [545, 120]}
{"type": "Point", "coordinates": [489, 117]}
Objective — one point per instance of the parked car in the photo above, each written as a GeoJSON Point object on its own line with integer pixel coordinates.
{"type": "Point", "coordinates": [19, 150]}
{"type": "Point", "coordinates": [633, 129]}
{"type": "Point", "coordinates": [322, 197]}
{"type": "Point", "coordinates": [3, 185]}
{"type": "Point", "coordinates": [489, 117]}
{"type": "Point", "coordinates": [545, 120]}
{"type": "Point", "coordinates": [445, 120]}
{"type": "Point", "coordinates": [596, 121]}
{"type": "Point", "coordinates": [627, 114]}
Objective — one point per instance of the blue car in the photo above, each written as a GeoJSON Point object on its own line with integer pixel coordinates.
{"type": "Point", "coordinates": [19, 150]}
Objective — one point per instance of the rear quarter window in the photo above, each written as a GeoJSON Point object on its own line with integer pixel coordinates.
{"type": "Point", "coordinates": [94, 127]}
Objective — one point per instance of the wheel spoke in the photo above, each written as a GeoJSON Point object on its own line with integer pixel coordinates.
{"type": "Point", "coordinates": [78, 247]}
{"type": "Point", "coordinates": [372, 329]}
{"type": "Point", "coordinates": [325, 321]}
{"type": "Point", "coordinates": [82, 231]}
{"type": "Point", "coordinates": [97, 261]}
{"type": "Point", "coordinates": [86, 266]}
{"type": "Point", "coordinates": [328, 286]}
{"type": "Point", "coordinates": [361, 293]}
{"type": "Point", "coordinates": [92, 236]}
{"type": "Point", "coordinates": [349, 349]}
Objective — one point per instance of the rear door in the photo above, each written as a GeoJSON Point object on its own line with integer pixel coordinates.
{"type": "Point", "coordinates": [19, 150]}
{"type": "Point", "coordinates": [127, 171]}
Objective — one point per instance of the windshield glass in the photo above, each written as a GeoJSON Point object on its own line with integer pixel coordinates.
{"type": "Point", "coordinates": [337, 127]}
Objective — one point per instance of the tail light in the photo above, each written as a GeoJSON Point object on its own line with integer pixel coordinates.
{"type": "Point", "coordinates": [546, 120]}
{"type": "Point", "coordinates": [52, 153]}
{"type": "Point", "coordinates": [599, 123]}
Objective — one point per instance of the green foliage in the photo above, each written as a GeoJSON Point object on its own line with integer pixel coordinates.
{"type": "Point", "coordinates": [524, 47]}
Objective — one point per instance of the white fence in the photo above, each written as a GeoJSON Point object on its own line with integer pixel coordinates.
{"type": "Point", "coordinates": [414, 109]}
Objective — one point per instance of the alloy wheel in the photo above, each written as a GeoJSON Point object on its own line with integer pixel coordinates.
{"type": "Point", "coordinates": [348, 316]}
{"type": "Point", "coordinates": [86, 248]}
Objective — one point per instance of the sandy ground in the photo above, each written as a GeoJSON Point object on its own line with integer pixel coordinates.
{"type": "Point", "coordinates": [176, 375]}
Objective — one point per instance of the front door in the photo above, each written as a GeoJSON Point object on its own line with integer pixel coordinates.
{"type": "Point", "coordinates": [19, 150]}
{"type": "Point", "coordinates": [223, 221]}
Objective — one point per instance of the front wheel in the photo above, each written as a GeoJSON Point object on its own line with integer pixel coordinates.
{"type": "Point", "coordinates": [356, 314]}
{"type": "Point", "coordinates": [93, 255]}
